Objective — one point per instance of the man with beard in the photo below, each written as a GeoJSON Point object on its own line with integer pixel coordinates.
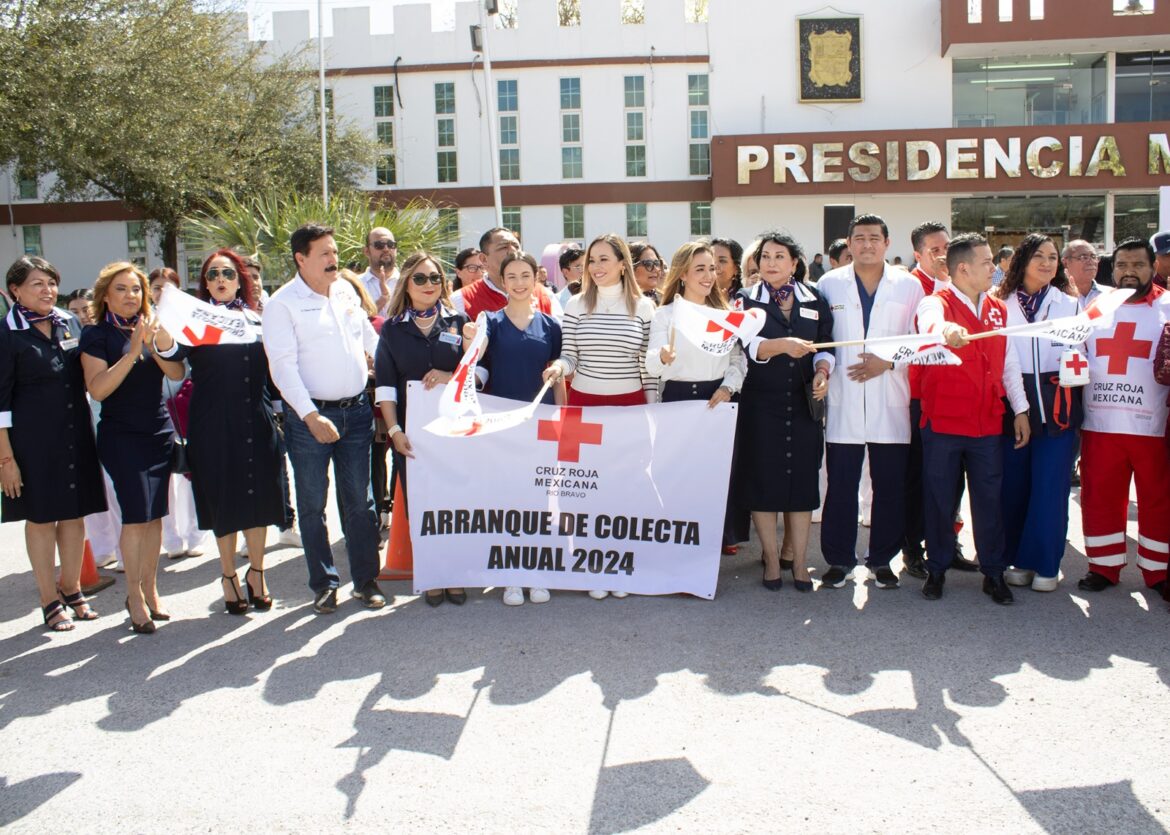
{"type": "Point", "coordinates": [1123, 438]}
{"type": "Point", "coordinates": [381, 276]}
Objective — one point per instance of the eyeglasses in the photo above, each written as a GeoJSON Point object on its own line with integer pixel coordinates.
{"type": "Point", "coordinates": [228, 273]}
{"type": "Point", "coordinates": [472, 268]}
{"type": "Point", "coordinates": [385, 244]}
{"type": "Point", "coordinates": [420, 279]}
{"type": "Point", "coordinates": [649, 264]}
{"type": "Point", "coordinates": [1087, 258]}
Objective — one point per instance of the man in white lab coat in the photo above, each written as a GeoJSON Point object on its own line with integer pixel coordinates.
{"type": "Point", "coordinates": [868, 405]}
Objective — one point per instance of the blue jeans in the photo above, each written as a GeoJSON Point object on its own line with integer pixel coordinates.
{"type": "Point", "coordinates": [351, 467]}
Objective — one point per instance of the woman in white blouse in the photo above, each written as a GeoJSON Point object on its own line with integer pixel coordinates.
{"type": "Point", "coordinates": [685, 371]}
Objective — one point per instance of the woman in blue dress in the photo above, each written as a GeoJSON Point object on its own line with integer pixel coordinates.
{"type": "Point", "coordinates": [48, 462]}
{"type": "Point", "coordinates": [134, 436]}
{"type": "Point", "coordinates": [521, 342]}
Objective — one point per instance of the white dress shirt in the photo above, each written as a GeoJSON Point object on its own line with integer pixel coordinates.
{"type": "Point", "coordinates": [317, 346]}
{"type": "Point", "coordinates": [374, 288]}
{"type": "Point", "coordinates": [691, 363]}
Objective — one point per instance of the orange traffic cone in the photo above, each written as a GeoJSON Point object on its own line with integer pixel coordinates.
{"type": "Point", "coordinates": [91, 581]}
{"type": "Point", "coordinates": [399, 554]}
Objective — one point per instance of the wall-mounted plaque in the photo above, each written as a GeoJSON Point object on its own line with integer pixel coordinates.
{"type": "Point", "coordinates": [830, 58]}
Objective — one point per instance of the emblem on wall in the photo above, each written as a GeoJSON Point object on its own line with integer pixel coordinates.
{"type": "Point", "coordinates": [830, 58]}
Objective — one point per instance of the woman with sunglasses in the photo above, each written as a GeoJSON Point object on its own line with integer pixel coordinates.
{"type": "Point", "coordinates": [45, 433]}
{"type": "Point", "coordinates": [232, 447]}
{"type": "Point", "coordinates": [422, 339]}
{"type": "Point", "coordinates": [135, 433]}
{"type": "Point", "coordinates": [648, 268]}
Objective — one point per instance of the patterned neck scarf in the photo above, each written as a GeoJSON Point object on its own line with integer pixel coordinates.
{"type": "Point", "coordinates": [781, 294]}
{"type": "Point", "coordinates": [235, 304]}
{"type": "Point", "coordinates": [32, 317]}
{"type": "Point", "coordinates": [120, 322]}
{"type": "Point", "coordinates": [410, 313]}
{"type": "Point", "coordinates": [1030, 304]}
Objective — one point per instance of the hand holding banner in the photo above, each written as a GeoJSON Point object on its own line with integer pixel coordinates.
{"type": "Point", "coordinates": [459, 397]}
{"type": "Point", "coordinates": [191, 321]}
{"type": "Point", "coordinates": [713, 330]}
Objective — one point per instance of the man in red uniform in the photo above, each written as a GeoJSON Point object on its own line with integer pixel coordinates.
{"type": "Point", "coordinates": [489, 294]}
{"type": "Point", "coordinates": [1123, 437]}
{"type": "Point", "coordinates": [962, 416]}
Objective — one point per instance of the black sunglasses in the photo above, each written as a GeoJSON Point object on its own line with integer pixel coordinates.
{"type": "Point", "coordinates": [385, 244]}
{"type": "Point", "coordinates": [421, 279]}
{"type": "Point", "coordinates": [649, 264]}
{"type": "Point", "coordinates": [227, 272]}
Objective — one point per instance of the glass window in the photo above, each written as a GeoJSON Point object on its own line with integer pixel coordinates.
{"type": "Point", "coordinates": [508, 98]}
{"type": "Point", "coordinates": [697, 92]}
{"type": "Point", "coordinates": [27, 188]}
{"type": "Point", "coordinates": [509, 163]}
{"type": "Point", "coordinates": [1134, 216]}
{"type": "Point", "coordinates": [571, 165]}
{"type": "Point", "coordinates": [32, 240]}
{"type": "Point", "coordinates": [700, 159]}
{"type": "Point", "coordinates": [698, 124]}
{"type": "Point", "coordinates": [635, 126]}
{"type": "Point", "coordinates": [385, 131]}
{"type": "Point", "coordinates": [570, 94]}
{"type": "Point", "coordinates": [383, 101]}
{"type": "Point", "coordinates": [1004, 221]}
{"type": "Point", "coordinates": [701, 218]}
{"type": "Point", "coordinates": [570, 127]}
{"type": "Point", "coordinates": [386, 172]}
{"type": "Point", "coordinates": [1143, 87]}
{"type": "Point", "coordinates": [636, 220]}
{"type": "Point", "coordinates": [635, 160]}
{"type": "Point", "coordinates": [573, 223]}
{"type": "Point", "coordinates": [569, 12]}
{"type": "Point", "coordinates": [509, 130]}
{"type": "Point", "coordinates": [445, 97]}
{"type": "Point", "coordinates": [635, 91]}
{"type": "Point", "coordinates": [633, 11]}
{"type": "Point", "coordinates": [446, 130]}
{"type": "Point", "coordinates": [1029, 90]}
{"type": "Point", "coordinates": [510, 215]}
{"type": "Point", "coordinates": [136, 242]}
{"type": "Point", "coordinates": [448, 168]}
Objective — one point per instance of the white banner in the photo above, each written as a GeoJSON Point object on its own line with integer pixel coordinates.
{"type": "Point", "coordinates": [616, 498]}
{"type": "Point", "coordinates": [713, 330]}
{"type": "Point", "coordinates": [191, 321]}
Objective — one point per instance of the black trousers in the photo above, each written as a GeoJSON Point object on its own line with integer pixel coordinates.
{"type": "Point", "coordinates": [887, 469]}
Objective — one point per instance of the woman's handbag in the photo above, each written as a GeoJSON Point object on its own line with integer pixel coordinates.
{"type": "Point", "coordinates": [816, 408]}
{"type": "Point", "coordinates": [179, 406]}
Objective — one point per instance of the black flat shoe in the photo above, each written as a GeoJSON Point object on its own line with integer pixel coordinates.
{"type": "Point", "coordinates": [932, 589]}
{"type": "Point", "coordinates": [997, 587]}
{"type": "Point", "coordinates": [456, 596]}
{"type": "Point", "coordinates": [147, 628]}
{"type": "Point", "coordinates": [435, 597]}
{"type": "Point", "coordinates": [1094, 582]}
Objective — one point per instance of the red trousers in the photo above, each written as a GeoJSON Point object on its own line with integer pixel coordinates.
{"type": "Point", "coordinates": [1108, 463]}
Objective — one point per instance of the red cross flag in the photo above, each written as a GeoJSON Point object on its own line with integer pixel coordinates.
{"type": "Point", "coordinates": [594, 497]}
{"type": "Point", "coordinates": [713, 330]}
{"type": "Point", "coordinates": [459, 396]}
{"type": "Point", "coordinates": [194, 322]}
{"type": "Point", "coordinates": [913, 349]}
{"type": "Point", "coordinates": [1073, 330]}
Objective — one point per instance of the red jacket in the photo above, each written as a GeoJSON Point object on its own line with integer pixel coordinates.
{"type": "Point", "coordinates": [479, 296]}
{"type": "Point", "coordinates": [916, 370]}
{"type": "Point", "coordinates": [967, 399]}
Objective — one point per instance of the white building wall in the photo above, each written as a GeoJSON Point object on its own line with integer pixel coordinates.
{"type": "Point", "coordinates": [77, 250]}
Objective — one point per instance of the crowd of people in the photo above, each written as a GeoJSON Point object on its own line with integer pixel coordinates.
{"type": "Point", "coordinates": [201, 437]}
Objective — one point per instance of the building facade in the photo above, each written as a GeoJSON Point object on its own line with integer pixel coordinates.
{"type": "Point", "coordinates": [661, 120]}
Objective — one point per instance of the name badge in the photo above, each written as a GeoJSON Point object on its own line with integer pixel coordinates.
{"type": "Point", "coordinates": [69, 344]}
{"type": "Point", "coordinates": [835, 307]}
{"type": "Point", "coordinates": [450, 338]}
{"type": "Point", "coordinates": [810, 313]}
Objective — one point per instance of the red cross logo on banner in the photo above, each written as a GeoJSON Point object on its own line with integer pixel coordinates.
{"type": "Point", "coordinates": [210, 336]}
{"type": "Point", "coordinates": [1121, 346]}
{"type": "Point", "coordinates": [569, 432]}
{"type": "Point", "coordinates": [734, 319]}
{"type": "Point", "coordinates": [1077, 364]}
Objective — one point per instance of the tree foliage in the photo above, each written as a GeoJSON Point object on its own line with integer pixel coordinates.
{"type": "Point", "coordinates": [163, 104]}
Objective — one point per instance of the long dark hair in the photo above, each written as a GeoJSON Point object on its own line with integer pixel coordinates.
{"type": "Point", "coordinates": [245, 291]}
{"type": "Point", "coordinates": [795, 252]}
{"type": "Point", "coordinates": [1013, 279]}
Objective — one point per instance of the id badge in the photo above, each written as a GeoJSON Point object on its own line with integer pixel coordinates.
{"type": "Point", "coordinates": [69, 344]}
{"type": "Point", "coordinates": [810, 313]}
{"type": "Point", "coordinates": [451, 338]}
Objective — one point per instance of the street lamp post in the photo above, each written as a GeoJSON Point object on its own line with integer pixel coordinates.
{"type": "Point", "coordinates": [488, 7]}
{"type": "Point", "coordinates": [321, 92]}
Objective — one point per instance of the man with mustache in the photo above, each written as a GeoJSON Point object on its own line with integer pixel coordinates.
{"type": "Point", "coordinates": [1123, 435]}
{"type": "Point", "coordinates": [319, 344]}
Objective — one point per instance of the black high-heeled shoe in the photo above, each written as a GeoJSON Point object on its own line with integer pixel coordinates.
{"type": "Point", "coordinates": [146, 628]}
{"type": "Point", "coordinates": [259, 602]}
{"type": "Point", "coordinates": [239, 606]}
{"type": "Point", "coordinates": [80, 606]}
{"type": "Point", "coordinates": [773, 585]}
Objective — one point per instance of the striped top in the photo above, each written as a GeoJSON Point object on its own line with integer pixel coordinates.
{"type": "Point", "coordinates": [607, 351]}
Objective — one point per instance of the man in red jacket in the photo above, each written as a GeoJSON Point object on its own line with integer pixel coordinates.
{"type": "Point", "coordinates": [962, 415]}
{"type": "Point", "coordinates": [488, 294]}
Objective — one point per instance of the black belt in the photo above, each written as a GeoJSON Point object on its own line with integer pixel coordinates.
{"type": "Point", "coordinates": [344, 403]}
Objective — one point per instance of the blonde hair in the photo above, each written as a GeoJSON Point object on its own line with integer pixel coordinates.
{"type": "Point", "coordinates": [679, 264]}
{"type": "Point", "coordinates": [358, 287]}
{"type": "Point", "coordinates": [589, 289]}
{"type": "Point", "coordinates": [400, 299]}
{"type": "Point", "coordinates": [101, 287]}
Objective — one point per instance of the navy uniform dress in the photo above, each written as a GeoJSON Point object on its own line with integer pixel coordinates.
{"type": "Point", "coordinates": [43, 404]}
{"type": "Point", "coordinates": [778, 453]}
{"type": "Point", "coordinates": [134, 436]}
{"type": "Point", "coordinates": [232, 445]}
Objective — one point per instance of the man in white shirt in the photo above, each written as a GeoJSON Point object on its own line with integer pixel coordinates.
{"type": "Point", "coordinates": [1080, 261]}
{"type": "Point", "coordinates": [869, 405]}
{"type": "Point", "coordinates": [319, 343]}
{"type": "Point", "coordinates": [381, 276]}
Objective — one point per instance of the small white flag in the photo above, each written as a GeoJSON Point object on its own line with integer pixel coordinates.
{"type": "Point", "coordinates": [459, 397]}
{"type": "Point", "coordinates": [191, 321]}
{"type": "Point", "coordinates": [713, 330]}
{"type": "Point", "coordinates": [913, 349]}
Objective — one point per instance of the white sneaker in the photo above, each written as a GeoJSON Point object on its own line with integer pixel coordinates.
{"type": "Point", "coordinates": [1018, 576]}
{"type": "Point", "coordinates": [290, 537]}
{"type": "Point", "coordinates": [538, 595]}
{"type": "Point", "coordinates": [513, 596]}
{"type": "Point", "coordinates": [194, 552]}
{"type": "Point", "coordinates": [1045, 583]}
{"type": "Point", "coordinates": [597, 594]}
{"type": "Point", "coordinates": [620, 594]}
{"type": "Point", "coordinates": [176, 555]}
